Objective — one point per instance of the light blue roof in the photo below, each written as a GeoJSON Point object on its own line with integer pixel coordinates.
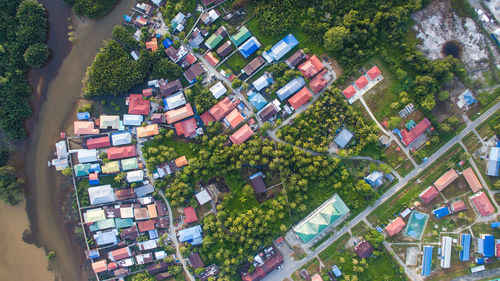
{"type": "Point", "coordinates": [249, 47]}
{"type": "Point", "coordinates": [282, 47]}
{"type": "Point", "coordinates": [262, 82]}
{"type": "Point", "coordinates": [375, 179]}
{"type": "Point", "coordinates": [258, 101]}
{"type": "Point", "coordinates": [493, 162]}
{"type": "Point", "coordinates": [191, 235]}
{"type": "Point", "coordinates": [291, 88]}
{"type": "Point", "coordinates": [144, 190]}
{"type": "Point", "coordinates": [465, 243]}
{"type": "Point", "coordinates": [83, 115]}
{"type": "Point", "coordinates": [427, 262]}
{"type": "Point", "coordinates": [105, 238]}
{"type": "Point", "coordinates": [343, 138]}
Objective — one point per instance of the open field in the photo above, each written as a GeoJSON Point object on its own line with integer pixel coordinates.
{"type": "Point", "coordinates": [471, 142]}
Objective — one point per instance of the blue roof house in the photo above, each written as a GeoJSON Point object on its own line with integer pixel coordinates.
{"type": "Point", "coordinates": [83, 115]}
{"type": "Point", "coordinates": [375, 179]}
{"type": "Point", "coordinates": [495, 224]}
{"type": "Point", "coordinates": [249, 47]}
{"type": "Point", "coordinates": [281, 48]}
{"type": "Point", "coordinates": [488, 246]}
{"type": "Point", "coordinates": [167, 43]}
{"type": "Point", "coordinates": [191, 235]}
{"type": "Point", "coordinates": [291, 88]}
{"type": "Point", "coordinates": [465, 243]}
{"type": "Point", "coordinates": [336, 271]}
{"type": "Point", "coordinates": [427, 261]}
{"type": "Point", "coordinates": [441, 212]}
{"type": "Point", "coordinates": [343, 138]}
{"type": "Point", "coordinates": [258, 101]}
{"type": "Point", "coordinates": [494, 162]}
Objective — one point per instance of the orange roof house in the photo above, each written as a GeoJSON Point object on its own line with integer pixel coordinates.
{"type": "Point", "coordinates": [186, 128]}
{"type": "Point", "coordinates": [483, 204]}
{"type": "Point", "coordinates": [84, 128]}
{"type": "Point", "coordinates": [446, 179]}
{"type": "Point", "coordinates": [373, 73]}
{"type": "Point", "coordinates": [472, 180]}
{"type": "Point", "coordinates": [121, 152]}
{"type": "Point", "coordinates": [148, 131]}
{"type": "Point", "coordinates": [99, 266]}
{"type": "Point", "coordinates": [222, 108]}
{"type": "Point", "coordinates": [395, 226]}
{"type": "Point", "coordinates": [429, 194]}
{"type": "Point", "coordinates": [241, 135]}
{"type": "Point", "coordinates": [349, 92]}
{"type": "Point", "coordinates": [152, 45]}
{"type": "Point", "coordinates": [234, 118]}
{"type": "Point", "coordinates": [361, 82]}
{"type": "Point", "coordinates": [181, 161]}
{"type": "Point", "coordinates": [300, 98]}
{"type": "Point", "coordinates": [138, 105]}
{"type": "Point", "coordinates": [179, 113]}
{"type": "Point", "coordinates": [211, 59]}
{"type": "Point", "coordinates": [152, 211]}
{"type": "Point", "coordinates": [311, 67]}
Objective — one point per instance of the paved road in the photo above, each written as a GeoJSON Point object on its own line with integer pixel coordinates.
{"type": "Point", "coordinates": [294, 265]}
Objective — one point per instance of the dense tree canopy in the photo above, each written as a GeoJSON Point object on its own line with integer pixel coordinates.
{"type": "Point", "coordinates": [92, 8]}
{"type": "Point", "coordinates": [10, 186]}
{"type": "Point", "coordinates": [166, 69]}
{"type": "Point", "coordinates": [36, 55]}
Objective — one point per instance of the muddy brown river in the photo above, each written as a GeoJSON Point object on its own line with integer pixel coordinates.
{"type": "Point", "coordinates": [57, 90]}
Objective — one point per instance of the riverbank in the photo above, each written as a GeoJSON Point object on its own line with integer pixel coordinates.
{"type": "Point", "coordinates": [57, 89]}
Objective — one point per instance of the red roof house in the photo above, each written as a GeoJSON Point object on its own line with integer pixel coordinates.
{"type": "Point", "coordinates": [147, 92]}
{"type": "Point", "coordinates": [320, 81]}
{"type": "Point", "coordinates": [187, 128]}
{"type": "Point", "coordinates": [458, 206]}
{"type": "Point", "coordinates": [361, 82]}
{"type": "Point", "coordinates": [121, 152]}
{"type": "Point", "coordinates": [409, 137]}
{"type": "Point", "coordinates": [311, 67]}
{"type": "Point", "coordinates": [137, 105]}
{"type": "Point", "coordinates": [349, 92]}
{"type": "Point", "coordinates": [190, 58]}
{"type": "Point", "coordinates": [472, 180]}
{"type": "Point", "coordinates": [483, 204]}
{"type": "Point", "coordinates": [373, 73]}
{"type": "Point", "coordinates": [146, 225]}
{"type": "Point", "coordinates": [179, 113]}
{"type": "Point", "coordinates": [234, 118]}
{"type": "Point", "coordinates": [207, 118]}
{"type": "Point", "coordinates": [446, 179]}
{"type": "Point", "coordinates": [222, 108]}
{"type": "Point", "coordinates": [300, 98]}
{"type": "Point", "coordinates": [241, 135]}
{"type": "Point", "coordinates": [190, 214]}
{"type": "Point", "coordinates": [429, 194]}
{"type": "Point", "coordinates": [211, 59]}
{"type": "Point", "coordinates": [98, 142]}
{"type": "Point", "coordinates": [395, 226]}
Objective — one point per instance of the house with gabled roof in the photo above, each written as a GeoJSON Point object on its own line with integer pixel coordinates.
{"type": "Point", "coordinates": [110, 122]}
{"type": "Point", "coordinates": [179, 114]}
{"type": "Point", "coordinates": [234, 118]}
{"type": "Point", "coordinates": [166, 89]}
{"type": "Point", "coordinates": [186, 128]}
{"type": "Point", "coordinates": [98, 142]}
{"type": "Point", "coordinates": [281, 48]}
{"type": "Point", "coordinates": [483, 204]}
{"type": "Point", "coordinates": [210, 16]}
{"type": "Point", "coordinates": [409, 137]}
{"type": "Point", "coordinates": [296, 59]}
{"type": "Point", "coordinates": [132, 119]}
{"type": "Point", "coordinates": [395, 226]}
{"type": "Point", "coordinates": [290, 88]}
{"type": "Point", "coordinates": [241, 36]}
{"type": "Point", "coordinates": [121, 152]}
{"type": "Point", "coordinates": [193, 72]}
{"type": "Point", "coordinates": [84, 128]}
{"type": "Point", "coordinates": [446, 179]}
{"type": "Point", "coordinates": [138, 105]}
{"type": "Point", "coordinates": [225, 49]}
{"type": "Point", "coordinates": [320, 81]}
{"type": "Point", "coordinates": [428, 194]}
{"type": "Point", "coordinates": [211, 59]}
{"type": "Point", "coordinates": [242, 134]}
{"type": "Point", "coordinates": [222, 108]}
{"type": "Point", "coordinates": [249, 47]}
{"type": "Point", "coordinates": [472, 180]}
{"type": "Point", "coordinates": [300, 98]}
{"type": "Point", "coordinates": [311, 67]}
{"type": "Point", "coordinates": [253, 65]}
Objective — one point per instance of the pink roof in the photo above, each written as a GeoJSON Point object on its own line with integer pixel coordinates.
{"type": "Point", "coordinates": [361, 82]}
{"type": "Point", "coordinates": [190, 214]}
{"type": "Point", "coordinates": [93, 176]}
{"type": "Point", "coordinates": [429, 194]}
{"type": "Point", "coordinates": [472, 180]}
{"type": "Point", "coordinates": [241, 135]}
{"type": "Point", "coordinates": [222, 108]}
{"type": "Point", "coordinates": [318, 82]}
{"type": "Point", "coordinates": [300, 98]}
{"type": "Point", "coordinates": [483, 204]}
{"type": "Point", "coordinates": [98, 142]}
{"type": "Point", "coordinates": [147, 92]}
{"type": "Point", "coordinates": [349, 92]}
{"type": "Point", "coordinates": [179, 113]}
{"type": "Point", "coordinates": [395, 226]}
{"type": "Point", "coordinates": [187, 127]}
{"type": "Point", "coordinates": [458, 206]}
{"type": "Point", "coordinates": [234, 118]}
{"type": "Point", "coordinates": [409, 137]}
{"type": "Point", "coordinates": [85, 128]}
{"type": "Point", "coordinates": [212, 60]}
{"type": "Point", "coordinates": [137, 105]}
{"type": "Point", "coordinates": [316, 277]}
{"type": "Point", "coordinates": [121, 152]}
{"type": "Point", "coordinates": [190, 58]}
{"type": "Point", "coordinates": [311, 67]}
{"type": "Point", "coordinates": [207, 118]}
{"type": "Point", "coordinates": [374, 72]}
{"type": "Point", "coordinates": [446, 179]}
{"type": "Point", "coordinates": [99, 266]}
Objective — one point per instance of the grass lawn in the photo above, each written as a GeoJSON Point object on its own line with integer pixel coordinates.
{"type": "Point", "coordinates": [471, 142]}
{"type": "Point", "coordinates": [409, 193]}
{"type": "Point", "coordinates": [427, 150]}
{"type": "Point", "coordinates": [482, 169]}
{"type": "Point", "coordinates": [485, 107]}
{"type": "Point", "coordinates": [236, 62]}
{"type": "Point", "coordinates": [484, 228]}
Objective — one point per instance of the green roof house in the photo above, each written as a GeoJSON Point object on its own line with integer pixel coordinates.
{"type": "Point", "coordinates": [123, 223]}
{"type": "Point", "coordinates": [240, 37]}
{"type": "Point", "coordinates": [111, 167]}
{"type": "Point", "coordinates": [82, 169]}
{"type": "Point", "coordinates": [330, 212]}
{"type": "Point", "coordinates": [103, 224]}
{"type": "Point", "coordinates": [129, 164]}
{"type": "Point", "coordinates": [213, 41]}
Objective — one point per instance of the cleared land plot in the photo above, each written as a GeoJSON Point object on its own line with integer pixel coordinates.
{"type": "Point", "coordinates": [471, 142]}
{"type": "Point", "coordinates": [236, 62]}
{"type": "Point", "coordinates": [312, 267]}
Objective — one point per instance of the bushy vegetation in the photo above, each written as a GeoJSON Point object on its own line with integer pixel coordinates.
{"type": "Point", "coordinates": [10, 185]}
{"type": "Point", "coordinates": [123, 35]}
{"type": "Point", "coordinates": [36, 55]}
{"type": "Point", "coordinates": [201, 97]}
{"type": "Point", "coordinates": [22, 23]}
{"type": "Point", "coordinates": [316, 127]}
{"type": "Point", "coordinates": [92, 8]}
{"type": "Point", "coordinates": [166, 69]}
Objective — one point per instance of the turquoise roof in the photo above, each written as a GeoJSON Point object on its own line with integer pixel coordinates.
{"type": "Point", "coordinates": [258, 101]}
{"type": "Point", "coordinates": [123, 223]}
{"type": "Point", "coordinates": [82, 170]}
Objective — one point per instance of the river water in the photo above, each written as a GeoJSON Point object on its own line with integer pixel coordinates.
{"type": "Point", "coordinates": [57, 91]}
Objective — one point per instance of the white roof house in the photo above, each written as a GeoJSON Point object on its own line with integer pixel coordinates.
{"type": "Point", "coordinates": [61, 149]}
{"type": "Point", "coordinates": [121, 138]}
{"type": "Point", "coordinates": [175, 101]}
{"type": "Point", "coordinates": [133, 176]}
{"type": "Point", "coordinates": [94, 215]}
{"type": "Point", "coordinates": [218, 90]}
{"type": "Point", "coordinates": [446, 252]}
{"type": "Point", "coordinates": [126, 212]}
{"type": "Point", "coordinates": [148, 245]}
{"type": "Point", "coordinates": [132, 119]}
{"type": "Point", "coordinates": [109, 122]}
{"type": "Point", "coordinates": [105, 238]}
{"type": "Point", "coordinates": [203, 196]}
{"type": "Point", "coordinates": [87, 155]}
{"type": "Point", "coordinates": [261, 82]}
{"type": "Point", "coordinates": [101, 194]}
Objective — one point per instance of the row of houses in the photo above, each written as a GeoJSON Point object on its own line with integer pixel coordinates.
{"type": "Point", "coordinates": [362, 84]}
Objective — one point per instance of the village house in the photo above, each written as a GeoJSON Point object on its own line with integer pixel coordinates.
{"type": "Point", "coordinates": [179, 114]}
{"type": "Point", "coordinates": [296, 59]}
{"type": "Point", "coordinates": [291, 88]}
{"type": "Point", "coordinates": [241, 36]}
{"type": "Point", "coordinates": [242, 134]}
{"type": "Point", "coordinates": [193, 72]}
{"type": "Point", "coordinates": [253, 65]}
{"type": "Point", "coordinates": [249, 47]}
{"type": "Point", "coordinates": [311, 67]}
{"type": "Point", "coordinates": [300, 98]}
{"type": "Point", "coordinates": [225, 49]}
